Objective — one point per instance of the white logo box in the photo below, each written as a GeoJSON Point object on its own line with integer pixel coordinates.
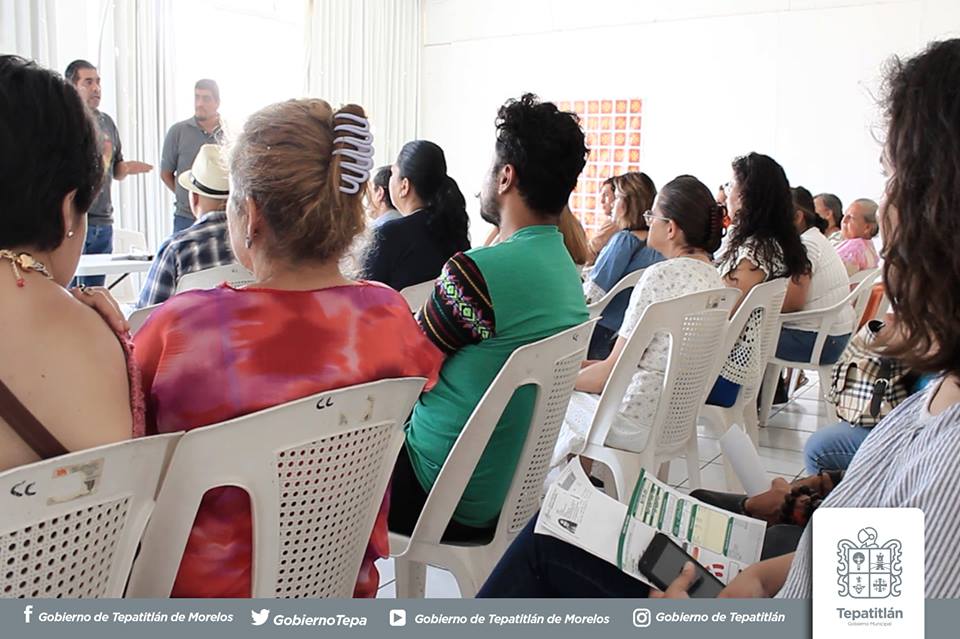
{"type": "Point", "coordinates": [868, 571]}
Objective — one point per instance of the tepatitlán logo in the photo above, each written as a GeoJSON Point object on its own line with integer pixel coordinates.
{"type": "Point", "coordinates": [868, 572]}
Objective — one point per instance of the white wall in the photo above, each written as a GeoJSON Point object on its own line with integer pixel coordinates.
{"type": "Point", "coordinates": [796, 79]}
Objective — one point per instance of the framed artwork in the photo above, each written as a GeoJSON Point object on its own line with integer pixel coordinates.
{"type": "Point", "coordinates": [612, 127]}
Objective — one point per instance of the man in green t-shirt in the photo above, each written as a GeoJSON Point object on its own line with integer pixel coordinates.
{"type": "Point", "coordinates": [488, 302]}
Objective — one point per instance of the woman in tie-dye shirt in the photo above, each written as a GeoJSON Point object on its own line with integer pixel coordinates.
{"type": "Point", "coordinates": [299, 329]}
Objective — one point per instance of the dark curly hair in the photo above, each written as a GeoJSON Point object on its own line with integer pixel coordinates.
{"type": "Point", "coordinates": [50, 148]}
{"type": "Point", "coordinates": [765, 217]}
{"type": "Point", "coordinates": [545, 146]}
{"type": "Point", "coordinates": [921, 267]}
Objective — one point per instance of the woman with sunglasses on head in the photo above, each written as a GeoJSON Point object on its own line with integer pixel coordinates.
{"type": "Point", "coordinates": [626, 252]}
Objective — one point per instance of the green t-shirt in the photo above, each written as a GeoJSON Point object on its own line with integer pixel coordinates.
{"type": "Point", "coordinates": [505, 296]}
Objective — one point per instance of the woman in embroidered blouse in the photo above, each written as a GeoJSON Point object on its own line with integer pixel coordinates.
{"type": "Point", "coordinates": [56, 354]}
{"type": "Point", "coordinates": [685, 226]}
{"type": "Point", "coordinates": [626, 252]}
{"type": "Point", "coordinates": [762, 245]}
{"type": "Point", "coordinates": [300, 328]}
{"type": "Point", "coordinates": [859, 228]}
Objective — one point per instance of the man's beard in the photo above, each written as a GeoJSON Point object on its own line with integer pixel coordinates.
{"type": "Point", "coordinates": [490, 210]}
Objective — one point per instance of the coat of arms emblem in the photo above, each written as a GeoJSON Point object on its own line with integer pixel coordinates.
{"type": "Point", "coordinates": [868, 570]}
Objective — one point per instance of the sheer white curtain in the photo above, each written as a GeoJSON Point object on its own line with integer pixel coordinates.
{"type": "Point", "coordinates": [368, 52]}
{"type": "Point", "coordinates": [29, 29]}
{"type": "Point", "coordinates": [143, 34]}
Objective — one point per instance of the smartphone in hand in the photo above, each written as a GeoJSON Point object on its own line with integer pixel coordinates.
{"type": "Point", "coordinates": [662, 562]}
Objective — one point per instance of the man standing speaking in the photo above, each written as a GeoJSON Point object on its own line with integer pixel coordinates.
{"type": "Point", "coordinates": [183, 142]}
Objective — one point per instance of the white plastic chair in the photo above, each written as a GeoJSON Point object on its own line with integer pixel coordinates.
{"type": "Point", "coordinates": [696, 325]}
{"type": "Point", "coordinates": [126, 288]}
{"type": "Point", "coordinates": [316, 470]}
{"type": "Point", "coordinates": [418, 294]}
{"type": "Point", "coordinates": [627, 281]}
{"type": "Point", "coordinates": [71, 524]}
{"type": "Point", "coordinates": [826, 318]}
{"type": "Point", "coordinates": [233, 274]}
{"type": "Point", "coordinates": [767, 299]}
{"type": "Point", "coordinates": [550, 364]}
{"type": "Point", "coordinates": [139, 317]}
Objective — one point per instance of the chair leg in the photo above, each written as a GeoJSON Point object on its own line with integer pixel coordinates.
{"type": "Point", "coordinates": [411, 579]}
{"type": "Point", "coordinates": [767, 391]}
{"type": "Point", "coordinates": [826, 379]}
{"type": "Point", "coordinates": [693, 463]}
{"type": "Point", "coordinates": [664, 471]}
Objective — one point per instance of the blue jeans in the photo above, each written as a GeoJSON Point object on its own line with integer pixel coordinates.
{"type": "Point", "coordinates": [797, 346]}
{"type": "Point", "coordinates": [724, 393]}
{"type": "Point", "coordinates": [601, 343]}
{"type": "Point", "coordinates": [833, 447]}
{"type": "Point", "coordinates": [99, 240]}
{"type": "Point", "coordinates": [180, 223]}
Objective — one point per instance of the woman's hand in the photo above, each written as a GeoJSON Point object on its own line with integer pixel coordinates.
{"type": "Point", "coordinates": [99, 299]}
{"type": "Point", "coordinates": [678, 589]}
{"type": "Point", "coordinates": [746, 585]}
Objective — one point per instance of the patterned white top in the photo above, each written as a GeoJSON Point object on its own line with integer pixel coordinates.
{"type": "Point", "coordinates": [829, 284]}
{"type": "Point", "coordinates": [662, 281]}
{"type": "Point", "coordinates": [735, 369]}
{"type": "Point", "coordinates": [908, 461]}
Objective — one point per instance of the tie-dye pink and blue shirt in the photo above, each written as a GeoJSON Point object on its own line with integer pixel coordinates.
{"type": "Point", "coordinates": [209, 356]}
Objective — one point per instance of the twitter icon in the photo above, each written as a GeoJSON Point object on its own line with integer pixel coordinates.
{"type": "Point", "coordinates": [259, 618]}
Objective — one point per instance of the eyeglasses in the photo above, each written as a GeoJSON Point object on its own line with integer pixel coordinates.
{"type": "Point", "coordinates": [649, 217]}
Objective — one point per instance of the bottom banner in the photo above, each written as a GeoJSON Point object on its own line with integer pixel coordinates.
{"type": "Point", "coordinates": [557, 619]}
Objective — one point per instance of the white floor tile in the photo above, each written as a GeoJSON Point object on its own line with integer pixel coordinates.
{"type": "Point", "coordinates": [441, 584]}
{"type": "Point", "coordinates": [786, 439]}
{"type": "Point", "coordinates": [386, 569]}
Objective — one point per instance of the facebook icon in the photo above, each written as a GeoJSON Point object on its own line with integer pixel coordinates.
{"type": "Point", "coordinates": [27, 613]}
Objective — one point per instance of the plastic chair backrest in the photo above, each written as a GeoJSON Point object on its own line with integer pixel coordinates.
{"type": "Point", "coordinates": [765, 300]}
{"type": "Point", "coordinates": [316, 470]}
{"type": "Point", "coordinates": [233, 274]}
{"type": "Point", "coordinates": [696, 325]}
{"type": "Point", "coordinates": [71, 525]}
{"type": "Point", "coordinates": [139, 317]}
{"type": "Point", "coordinates": [627, 281]}
{"type": "Point", "coordinates": [551, 365]}
{"type": "Point", "coordinates": [418, 294]}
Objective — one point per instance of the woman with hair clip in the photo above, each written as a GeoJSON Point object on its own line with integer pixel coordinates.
{"type": "Point", "coordinates": [434, 226]}
{"type": "Point", "coordinates": [685, 226]}
{"type": "Point", "coordinates": [300, 328]}
{"type": "Point", "coordinates": [626, 252]}
{"type": "Point", "coordinates": [762, 244]}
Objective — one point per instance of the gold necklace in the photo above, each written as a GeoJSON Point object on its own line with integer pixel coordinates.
{"type": "Point", "coordinates": [26, 262]}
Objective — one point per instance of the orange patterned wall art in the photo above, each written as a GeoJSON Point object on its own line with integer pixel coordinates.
{"type": "Point", "coordinates": [612, 128]}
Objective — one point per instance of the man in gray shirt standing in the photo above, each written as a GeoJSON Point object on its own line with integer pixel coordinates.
{"type": "Point", "coordinates": [183, 142]}
{"type": "Point", "coordinates": [84, 77]}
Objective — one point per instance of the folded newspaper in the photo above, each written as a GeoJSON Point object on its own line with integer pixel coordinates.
{"type": "Point", "coordinates": [579, 514]}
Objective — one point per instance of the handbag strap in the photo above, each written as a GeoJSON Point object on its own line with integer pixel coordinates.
{"type": "Point", "coordinates": [28, 427]}
{"type": "Point", "coordinates": [881, 385]}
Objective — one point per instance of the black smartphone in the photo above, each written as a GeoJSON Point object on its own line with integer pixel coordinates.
{"type": "Point", "coordinates": [663, 561]}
